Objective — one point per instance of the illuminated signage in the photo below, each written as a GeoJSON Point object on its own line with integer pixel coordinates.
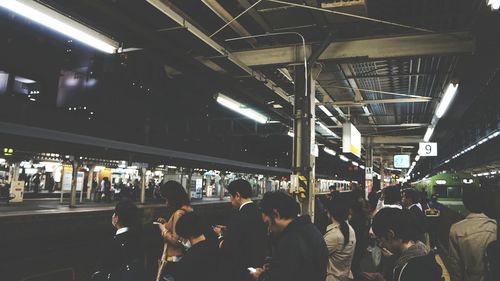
{"type": "Point", "coordinates": [351, 139]}
{"type": "Point", "coordinates": [402, 161]}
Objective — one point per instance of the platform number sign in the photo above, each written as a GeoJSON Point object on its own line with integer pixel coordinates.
{"type": "Point", "coordinates": [427, 149]}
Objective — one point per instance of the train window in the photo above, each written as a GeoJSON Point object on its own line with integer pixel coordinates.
{"type": "Point", "coordinates": [454, 192]}
{"type": "Point", "coordinates": [441, 191]}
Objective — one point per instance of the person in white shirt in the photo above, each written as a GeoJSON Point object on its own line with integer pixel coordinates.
{"type": "Point", "coordinates": [340, 240]}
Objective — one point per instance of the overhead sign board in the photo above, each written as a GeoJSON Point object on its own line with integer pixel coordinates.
{"type": "Point", "coordinates": [351, 139]}
{"type": "Point", "coordinates": [428, 149]}
{"type": "Point", "coordinates": [369, 173]}
{"type": "Point", "coordinates": [401, 161]}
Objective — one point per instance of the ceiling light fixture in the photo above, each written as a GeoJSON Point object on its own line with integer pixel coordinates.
{"type": "Point", "coordinates": [290, 134]}
{"type": "Point", "coordinates": [448, 96]}
{"type": "Point", "coordinates": [45, 16]}
{"type": "Point", "coordinates": [494, 4]}
{"type": "Point", "coordinates": [336, 121]}
{"type": "Point", "coordinates": [240, 108]}
{"type": "Point", "coordinates": [325, 110]}
{"type": "Point", "coordinates": [343, 158]}
{"type": "Point", "coordinates": [428, 133]}
{"type": "Point", "coordinates": [327, 130]}
{"type": "Point", "coordinates": [329, 151]}
{"type": "Point", "coordinates": [365, 109]}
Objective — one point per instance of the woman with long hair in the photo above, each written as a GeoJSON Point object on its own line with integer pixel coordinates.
{"type": "Point", "coordinates": [178, 201]}
{"type": "Point", "coordinates": [340, 240]}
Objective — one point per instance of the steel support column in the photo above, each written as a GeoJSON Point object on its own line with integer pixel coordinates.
{"type": "Point", "coordinates": [222, 186]}
{"type": "Point", "coordinates": [304, 137]}
{"type": "Point", "coordinates": [75, 165]}
{"type": "Point", "coordinates": [90, 179]}
{"type": "Point", "coordinates": [143, 185]}
{"type": "Point", "coordinates": [369, 167]}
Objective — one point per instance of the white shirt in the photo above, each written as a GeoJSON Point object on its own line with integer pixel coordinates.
{"type": "Point", "coordinates": [418, 205]}
{"type": "Point", "coordinates": [121, 230]}
{"type": "Point", "coordinates": [248, 202]}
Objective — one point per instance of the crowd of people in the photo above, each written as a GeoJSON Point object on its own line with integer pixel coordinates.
{"type": "Point", "coordinates": [275, 242]}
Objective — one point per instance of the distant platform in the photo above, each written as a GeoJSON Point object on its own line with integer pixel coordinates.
{"type": "Point", "coordinates": [42, 206]}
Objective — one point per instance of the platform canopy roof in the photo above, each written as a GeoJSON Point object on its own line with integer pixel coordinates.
{"type": "Point", "coordinates": [382, 65]}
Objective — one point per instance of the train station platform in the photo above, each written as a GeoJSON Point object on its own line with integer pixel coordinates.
{"type": "Point", "coordinates": [39, 206]}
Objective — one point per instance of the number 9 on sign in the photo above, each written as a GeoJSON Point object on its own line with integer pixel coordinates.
{"type": "Point", "coordinates": [427, 149]}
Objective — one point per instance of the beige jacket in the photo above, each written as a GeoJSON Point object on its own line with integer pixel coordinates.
{"type": "Point", "coordinates": [468, 241]}
{"type": "Point", "coordinates": [340, 256]}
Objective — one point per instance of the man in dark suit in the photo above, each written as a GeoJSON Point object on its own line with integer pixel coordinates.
{"type": "Point", "coordinates": [243, 241]}
{"type": "Point", "coordinates": [411, 201]}
{"type": "Point", "coordinates": [123, 258]}
{"type": "Point", "coordinates": [300, 252]}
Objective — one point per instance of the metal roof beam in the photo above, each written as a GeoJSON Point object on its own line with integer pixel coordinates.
{"type": "Point", "coordinates": [167, 8]}
{"type": "Point", "coordinates": [382, 101]}
{"type": "Point", "coordinates": [378, 48]}
{"type": "Point", "coordinates": [227, 17]}
{"type": "Point", "coordinates": [255, 15]}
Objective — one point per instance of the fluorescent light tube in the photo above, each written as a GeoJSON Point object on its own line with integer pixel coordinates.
{"type": "Point", "coordinates": [494, 4]}
{"type": "Point", "coordinates": [361, 167]}
{"type": "Point", "coordinates": [328, 131]}
{"type": "Point", "coordinates": [355, 163]}
{"type": "Point", "coordinates": [329, 151]}
{"type": "Point", "coordinates": [325, 110]}
{"type": "Point", "coordinates": [290, 134]}
{"type": "Point", "coordinates": [343, 158]}
{"type": "Point", "coordinates": [365, 109]}
{"type": "Point", "coordinates": [47, 17]}
{"type": "Point", "coordinates": [336, 121]}
{"type": "Point", "coordinates": [428, 134]}
{"type": "Point", "coordinates": [417, 158]}
{"type": "Point", "coordinates": [241, 109]}
{"type": "Point", "coordinates": [446, 100]}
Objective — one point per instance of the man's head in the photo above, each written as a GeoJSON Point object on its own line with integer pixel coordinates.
{"type": "Point", "coordinates": [409, 197]}
{"type": "Point", "coordinates": [125, 215]}
{"type": "Point", "coordinates": [240, 192]}
{"type": "Point", "coordinates": [392, 195]}
{"type": "Point", "coordinates": [393, 227]}
{"type": "Point", "coordinates": [474, 199]}
{"type": "Point", "coordinates": [278, 210]}
{"type": "Point", "coordinates": [189, 226]}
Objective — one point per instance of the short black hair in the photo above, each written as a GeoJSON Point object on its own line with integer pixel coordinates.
{"type": "Point", "coordinates": [397, 220]}
{"type": "Point", "coordinates": [127, 213]}
{"type": "Point", "coordinates": [412, 194]}
{"type": "Point", "coordinates": [175, 194]}
{"type": "Point", "coordinates": [282, 203]}
{"type": "Point", "coordinates": [474, 199]}
{"type": "Point", "coordinates": [189, 225]}
{"type": "Point", "coordinates": [240, 186]}
{"type": "Point", "coordinates": [392, 195]}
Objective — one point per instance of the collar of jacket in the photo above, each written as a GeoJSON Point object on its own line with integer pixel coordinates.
{"type": "Point", "coordinates": [477, 216]}
{"type": "Point", "coordinates": [297, 223]}
{"type": "Point", "coordinates": [332, 226]}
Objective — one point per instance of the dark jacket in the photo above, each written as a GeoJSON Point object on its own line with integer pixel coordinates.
{"type": "Point", "coordinates": [122, 259]}
{"type": "Point", "coordinates": [244, 243]}
{"type": "Point", "coordinates": [200, 262]}
{"type": "Point", "coordinates": [300, 254]}
{"type": "Point", "coordinates": [417, 264]}
{"type": "Point", "coordinates": [420, 221]}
